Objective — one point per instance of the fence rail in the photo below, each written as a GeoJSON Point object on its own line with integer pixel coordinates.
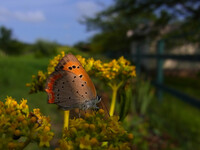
{"type": "Point", "coordinates": [158, 83]}
{"type": "Point", "coordinates": [191, 58]}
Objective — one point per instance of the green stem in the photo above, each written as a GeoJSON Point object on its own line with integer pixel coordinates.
{"type": "Point", "coordinates": [66, 119]}
{"type": "Point", "coordinates": [115, 88]}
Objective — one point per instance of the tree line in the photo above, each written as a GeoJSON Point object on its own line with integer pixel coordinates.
{"type": "Point", "coordinates": [155, 19]}
{"type": "Point", "coordinates": [12, 46]}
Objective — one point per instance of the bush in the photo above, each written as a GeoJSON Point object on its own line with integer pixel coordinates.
{"type": "Point", "coordinates": [44, 48]}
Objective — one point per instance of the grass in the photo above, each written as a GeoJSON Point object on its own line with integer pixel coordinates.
{"type": "Point", "coordinates": [179, 119]}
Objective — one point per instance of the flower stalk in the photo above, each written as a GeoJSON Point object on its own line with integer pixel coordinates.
{"type": "Point", "coordinates": [115, 88]}
{"type": "Point", "coordinates": [66, 118]}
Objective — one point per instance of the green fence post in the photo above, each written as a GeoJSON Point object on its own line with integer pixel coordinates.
{"type": "Point", "coordinates": [159, 79]}
{"type": "Point", "coordinates": [138, 59]}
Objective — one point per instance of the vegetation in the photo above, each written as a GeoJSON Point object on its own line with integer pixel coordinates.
{"type": "Point", "coordinates": [168, 125]}
{"type": "Point", "coordinates": [9, 45]}
{"type": "Point", "coordinates": [143, 19]}
{"type": "Point", "coordinates": [43, 48]}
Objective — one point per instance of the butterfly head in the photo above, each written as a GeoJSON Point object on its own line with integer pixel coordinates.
{"type": "Point", "coordinates": [90, 104]}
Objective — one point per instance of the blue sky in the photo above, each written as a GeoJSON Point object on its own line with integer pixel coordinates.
{"type": "Point", "coordinates": [54, 20]}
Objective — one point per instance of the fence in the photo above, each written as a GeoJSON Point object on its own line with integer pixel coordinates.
{"type": "Point", "coordinates": [158, 83]}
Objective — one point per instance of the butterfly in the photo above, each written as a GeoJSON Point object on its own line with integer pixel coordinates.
{"type": "Point", "coordinates": [69, 86]}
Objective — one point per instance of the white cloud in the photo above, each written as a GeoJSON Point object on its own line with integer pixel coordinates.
{"type": "Point", "coordinates": [36, 16]}
{"type": "Point", "coordinates": [4, 14]}
{"type": "Point", "coordinates": [87, 8]}
{"type": "Point", "coordinates": [29, 16]}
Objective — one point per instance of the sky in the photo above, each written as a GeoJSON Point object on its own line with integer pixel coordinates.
{"type": "Point", "coordinates": [53, 20]}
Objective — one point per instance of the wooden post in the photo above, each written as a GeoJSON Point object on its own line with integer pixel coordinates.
{"type": "Point", "coordinates": [138, 59]}
{"type": "Point", "coordinates": [159, 78]}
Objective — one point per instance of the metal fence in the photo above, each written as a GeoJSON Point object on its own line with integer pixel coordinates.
{"type": "Point", "coordinates": [158, 82]}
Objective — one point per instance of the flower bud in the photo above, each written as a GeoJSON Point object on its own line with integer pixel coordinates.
{"type": "Point", "coordinates": [101, 111]}
{"type": "Point", "coordinates": [92, 127]}
{"type": "Point", "coordinates": [46, 129]}
{"type": "Point", "coordinates": [17, 132]}
{"type": "Point", "coordinates": [20, 118]}
{"type": "Point", "coordinates": [94, 141]}
{"type": "Point", "coordinates": [130, 136]}
{"type": "Point", "coordinates": [33, 119]}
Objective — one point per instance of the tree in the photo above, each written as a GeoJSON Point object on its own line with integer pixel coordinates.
{"type": "Point", "coordinates": [5, 38]}
{"type": "Point", "coordinates": [8, 44]}
{"type": "Point", "coordinates": [43, 48]}
{"type": "Point", "coordinates": [160, 18]}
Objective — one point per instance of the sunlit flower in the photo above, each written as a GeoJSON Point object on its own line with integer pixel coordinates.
{"type": "Point", "coordinates": [81, 60]}
{"type": "Point", "coordinates": [18, 123]}
{"type": "Point", "coordinates": [44, 140]}
{"type": "Point", "coordinates": [95, 132]}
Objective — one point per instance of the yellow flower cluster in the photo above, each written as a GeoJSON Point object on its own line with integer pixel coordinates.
{"type": "Point", "coordinates": [53, 63]}
{"type": "Point", "coordinates": [38, 82]}
{"type": "Point", "coordinates": [19, 127]}
{"type": "Point", "coordinates": [114, 70]}
{"type": "Point", "coordinates": [95, 132]}
{"type": "Point", "coordinates": [120, 68]}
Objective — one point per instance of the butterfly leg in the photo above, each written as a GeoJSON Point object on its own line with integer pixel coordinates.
{"type": "Point", "coordinates": [79, 113]}
{"type": "Point", "coordinates": [96, 108]}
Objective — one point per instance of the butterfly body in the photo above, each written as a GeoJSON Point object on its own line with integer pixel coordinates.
{"type": "Point", "coordinates": [69, 86]}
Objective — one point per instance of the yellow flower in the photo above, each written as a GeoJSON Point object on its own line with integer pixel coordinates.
{"type": "Point", "coordinates": [66, 145]}
{"type": "Point", "coordinates": [90, 63]}
{"type": "Point", "coordinates": [9, 101]}
{"type": "Point", "coordinates": [98, 64]}
{"type": "Point", "coordinates": [4, 120]}
{"type": "Point", "coordinates": [44, 140]}
{"type": "Point", "coordinates": [53, 63]}
{"type": "Point", "coordinates": [15, 121]}
{"type": "Point", "coordinates": [23, 106]}
{"type": "Point", "coordinates": [85, 142]}
{"type": "Point", "coordinates": [92, 131]}
{"type": "Point", "coordinates": [81, 60]}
